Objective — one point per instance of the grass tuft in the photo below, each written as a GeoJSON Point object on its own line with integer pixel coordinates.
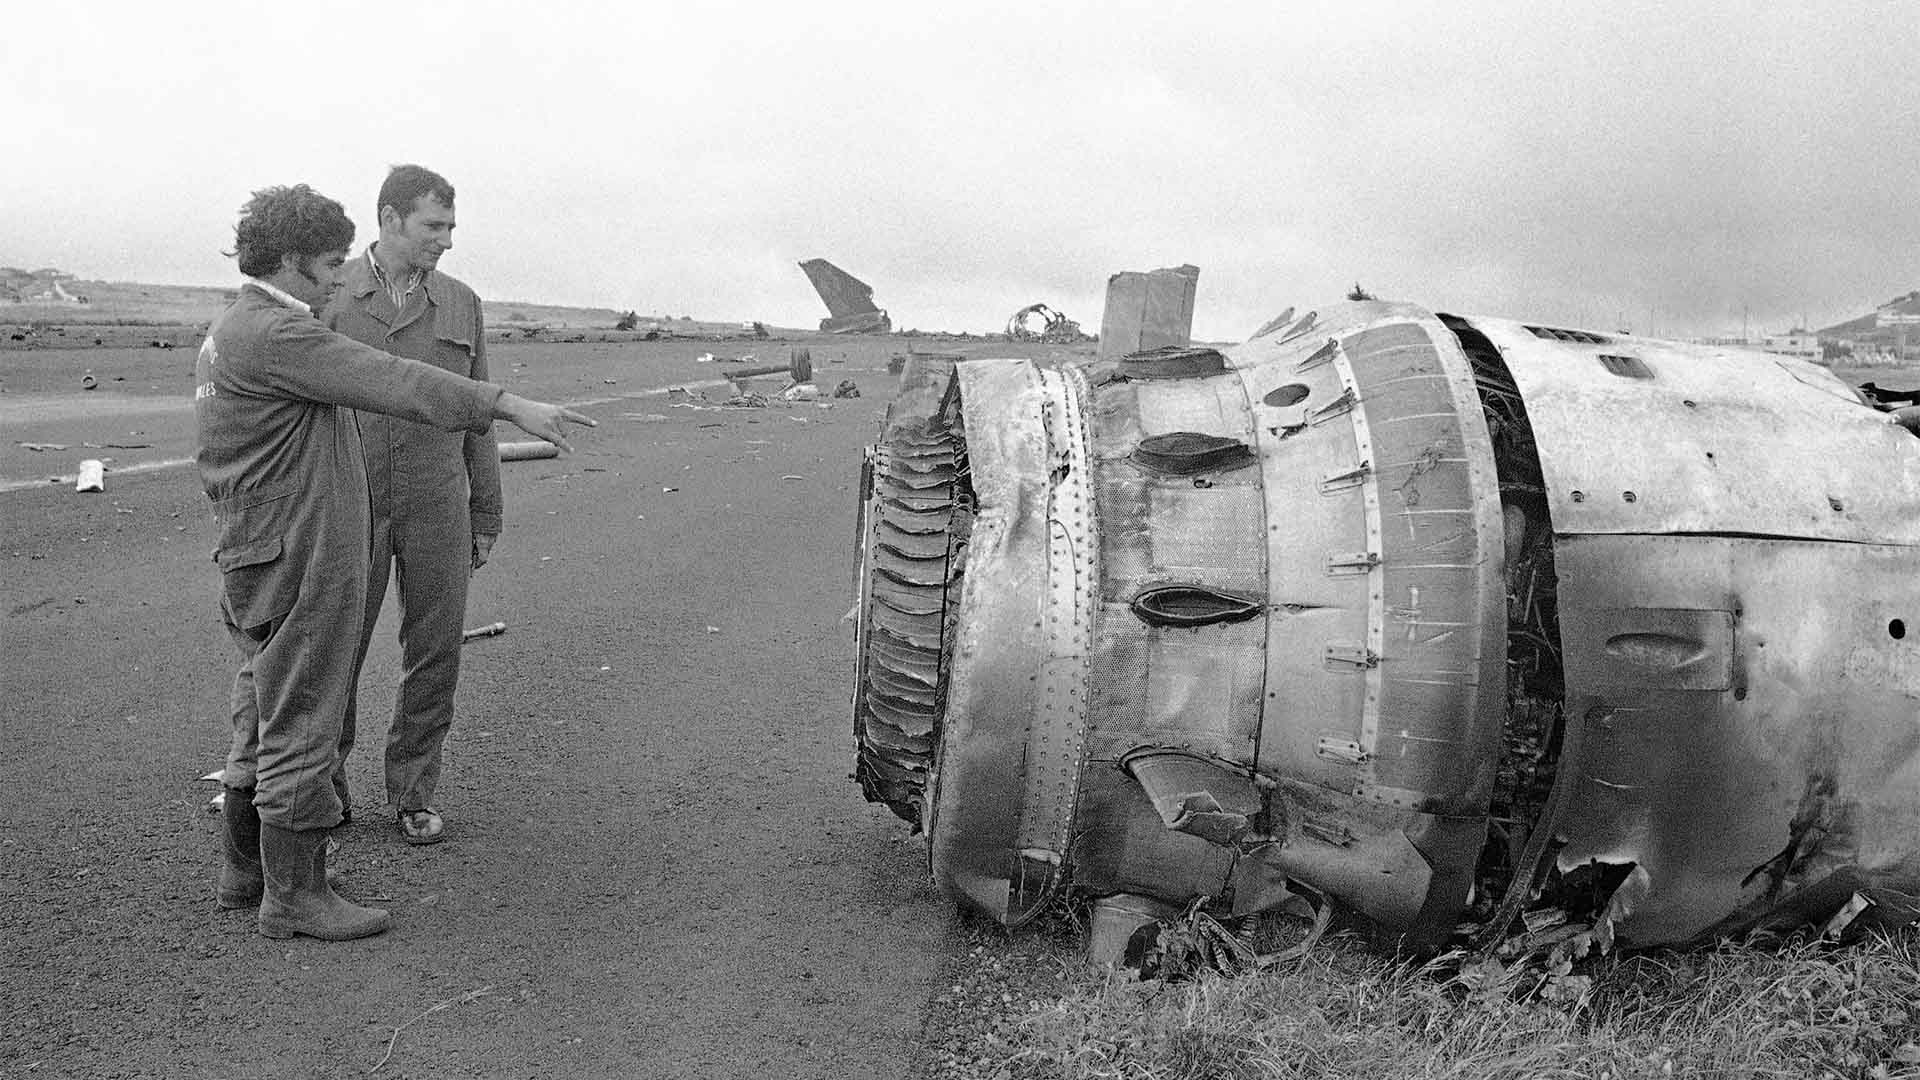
{"type": "Point", "coordinates": [1797, 1010]}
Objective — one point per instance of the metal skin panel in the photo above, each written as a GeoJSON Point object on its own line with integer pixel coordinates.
{"type": "Point", "coordinates": [1675, 453]}
{"type": "Point", "coordinates": [1129, 849]}
{"type": "Point", "coordinates": [977, 791]}
{"type": "Point", "coordinates": [1383, 499]}
{"type": "Point", "coordinates": [1443, 622]}
{"type": "Point", "coordinates": [1747, 732]}
{"type": "Point", "coordinates": [1209, 534]}
{"type": "Point", "coordinates": [1174, 686]}
{"type": "Point", "coordinates": [1305, 703]}
{"type": "Point", "coordinates": [1427, 620]}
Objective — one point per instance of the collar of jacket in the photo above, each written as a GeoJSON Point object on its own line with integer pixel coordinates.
{"type": "Point", "coordinates": [281, 295]}
{"type": "Point", "coordinates": [360, 285]}
{"type": "Point", "coordinates": [360, 282]}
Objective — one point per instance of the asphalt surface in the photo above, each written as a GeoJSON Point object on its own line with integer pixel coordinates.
{"type": "Point", "coordinates": [657, 865]}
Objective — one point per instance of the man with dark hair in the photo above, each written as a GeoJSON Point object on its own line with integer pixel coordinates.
{"type": "Point", "coordinates": [279, 456]}
{"type": "Point", "coordinates": [435, 494]}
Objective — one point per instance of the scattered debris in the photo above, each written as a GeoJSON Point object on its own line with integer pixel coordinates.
{"type": "Point", "coordinates": [219, 801]}
{"type": "Point", "coordinates": [37, 447]}
{"type": "Point", "coordinates": [1055, 328]}
{"type": "Point", "coordinates": [847, 388]}
{"type": "Point", "coordinates": [467, 998]}
{"type": "Point", "coordinates": [527, 451]}
{"type": "Point", "coordinates": [849, 300]}
{"type": "Point", "coordinates": [492, 629]}
{"type": "Point", "coordinates": [1148, 310]}
{"type": "Point", "coordinates": [799, 367]}
{"type": "Point", "coordinates": [92, 477]}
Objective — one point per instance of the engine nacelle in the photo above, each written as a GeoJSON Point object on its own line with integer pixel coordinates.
{"type": "Point", "coordinates": [1425, 615]}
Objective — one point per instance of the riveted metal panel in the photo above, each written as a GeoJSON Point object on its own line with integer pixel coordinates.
{"type": "Point", "coordinates": [975, 796]}
{"type": "Point", "coordinates": [1717, 440]}
{"type": "Point", "coordinates": [1210, 534]}
{"type": "Point", "coordinates": [1762, 736]}
{"type": "Point", "coordinates": [1306, 701]}
{"type": "Point", "coordinates": [1215, 405]}
{"type": "Point", "coordinates": [1056, 742]}
{"type": "Point", "coordinates": [1001, 810]}
{"type": "Point", "coordinates": [1194, 689]}
{"type": "Point", "coordinates": [1423, 660]}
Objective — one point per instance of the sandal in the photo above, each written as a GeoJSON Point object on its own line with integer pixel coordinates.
{"type": "Point", "coordinates": [421, 826]}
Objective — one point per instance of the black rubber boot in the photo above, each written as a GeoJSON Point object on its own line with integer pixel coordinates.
{"type": "Point", "coordinates": [298, 899]}
{"type": "Point", "coordinates": [240, 879]}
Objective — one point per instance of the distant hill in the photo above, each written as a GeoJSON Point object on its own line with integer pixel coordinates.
{"type": "Point", "coordinates": [54, 297]}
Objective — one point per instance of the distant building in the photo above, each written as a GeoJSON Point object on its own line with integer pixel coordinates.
{"type": "Point", "coordinates": [1892, 332]}
{"type": "Point", "coordinates": [43, 286]}
{"type": "Point", "coordinates": [1797, 342]}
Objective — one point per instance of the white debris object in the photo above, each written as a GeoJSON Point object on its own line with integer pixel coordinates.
{"type": "Point", "coordinates": [805, 391]}
{"type": "Point", "coordinates": [93, 476]}
{"type": "Point", "coordinates": [527, 451]}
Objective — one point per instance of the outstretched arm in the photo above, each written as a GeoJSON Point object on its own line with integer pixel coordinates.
{"type": "Point", "coordinates": [540, 419]}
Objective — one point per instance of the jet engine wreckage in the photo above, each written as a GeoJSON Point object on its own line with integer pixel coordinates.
{"type": "Point", "coordinates": [1439, 619]}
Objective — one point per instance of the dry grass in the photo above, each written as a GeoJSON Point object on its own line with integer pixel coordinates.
{"type": "Point", "coordinates": [1802, 1010]}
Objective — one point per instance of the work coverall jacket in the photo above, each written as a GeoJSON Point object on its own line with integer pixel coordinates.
{"type": "Point", "coordinates": [279, 456]}
{"type": "Point", "coordinates": [430, 491]}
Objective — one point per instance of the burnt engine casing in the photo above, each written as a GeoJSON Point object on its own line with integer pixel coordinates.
{"type": "Point", "coordinates": [1429, 616]}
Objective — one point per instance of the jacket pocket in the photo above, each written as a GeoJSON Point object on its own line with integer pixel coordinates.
{"type": "Point", "coordinates": [258, 553]}
{"type": "Point", "coordinates": [257, 582]}
{"type": "Point", "coordinates": [453, 329]}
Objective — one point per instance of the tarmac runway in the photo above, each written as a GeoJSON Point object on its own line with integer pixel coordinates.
{"type": "Point", "coordinates": [657, 864]}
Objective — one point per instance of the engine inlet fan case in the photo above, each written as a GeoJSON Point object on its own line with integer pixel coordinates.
{"type": "Point", "coordinates": [1225, 621]}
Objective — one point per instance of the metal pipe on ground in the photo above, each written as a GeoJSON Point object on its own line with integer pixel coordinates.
{"type": "Point", "coordinates": [799, 367]}
{"type": "Point", "coordinates": [527, 451]}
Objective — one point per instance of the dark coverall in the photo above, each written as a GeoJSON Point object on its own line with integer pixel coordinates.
{"type": "Point", "coordinates": [279, 455]}
{"type": "Point", "coordinates": [430, 491]}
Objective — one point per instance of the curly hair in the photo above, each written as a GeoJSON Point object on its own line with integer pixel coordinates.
{"type": "Point", "coordinates": [293, 220]}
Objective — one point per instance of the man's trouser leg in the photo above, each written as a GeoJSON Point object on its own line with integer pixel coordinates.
{"type": "Point", "coordinates": [433, 563]}
{"type": "Point", "coordinates": [299, 668]}
{"type": "Point", "coordinates": [288, 701]}
{"type": "Point", "coordinates": [240, 883]}
{"type": "Point", "coordinates": [380, 566]}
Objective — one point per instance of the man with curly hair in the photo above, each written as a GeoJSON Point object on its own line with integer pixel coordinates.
{"type": "Point", "coordinates": [436, 493]}
{"type": "Point", "coordinates": [279, 456]}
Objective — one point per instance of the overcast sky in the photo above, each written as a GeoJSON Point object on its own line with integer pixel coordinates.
{"type": "Point", "coordinates": [1593, 164]}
